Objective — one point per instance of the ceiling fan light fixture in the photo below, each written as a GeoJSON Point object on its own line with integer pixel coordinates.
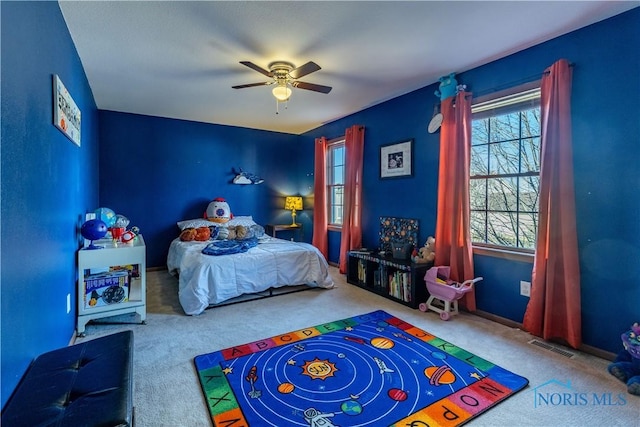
{"type": "Point", "coordinates": [282, 93]}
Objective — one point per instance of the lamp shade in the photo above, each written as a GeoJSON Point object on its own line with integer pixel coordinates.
{"type": "Point", "coordinates": [293, 203]}
{"type": "Point", "coordinates": [281, 92]}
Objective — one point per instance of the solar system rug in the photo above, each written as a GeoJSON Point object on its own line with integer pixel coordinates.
{"type": "Point", "coordinates": [368, 370]}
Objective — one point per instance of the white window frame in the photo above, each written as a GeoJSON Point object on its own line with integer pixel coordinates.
{"type": "Point", "coordinates": [332, 186]}
{"type": "Point", "coordinates": [520, 98]}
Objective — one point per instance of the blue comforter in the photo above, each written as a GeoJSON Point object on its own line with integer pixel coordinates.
{"type": "Point", "coordinates": [227, 247]}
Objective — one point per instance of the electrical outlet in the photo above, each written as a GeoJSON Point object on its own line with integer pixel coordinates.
{"type": "Point", "coordinates": [525, 288]}
{"type": "Point", "coordinates": [68, 303]}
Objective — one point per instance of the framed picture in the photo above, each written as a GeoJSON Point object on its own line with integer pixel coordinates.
{"type": "Point", "coordinates": [66, 114]}
{"type": "Point", "coordinates": [396, 160]}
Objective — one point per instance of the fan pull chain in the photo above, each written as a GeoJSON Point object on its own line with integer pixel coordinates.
{"type": "Point", "coordinates": [286, 105]}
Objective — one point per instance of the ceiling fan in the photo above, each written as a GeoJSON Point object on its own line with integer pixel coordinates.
{"type": "Point", "coordinates": [284, 75]}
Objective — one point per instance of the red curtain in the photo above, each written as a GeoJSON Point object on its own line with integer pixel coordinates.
{"type": "Point", "coordinates": [319, 239]}
{"type": "Point", "coordinates": [554, 308]}
{"type": "Point", "coordinates": [453, 239]}
{"type": "Point", "coordinates": [352, 208]}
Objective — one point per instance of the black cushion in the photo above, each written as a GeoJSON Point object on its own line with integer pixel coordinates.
{"type": "Point", "coordinates": [87, 384]}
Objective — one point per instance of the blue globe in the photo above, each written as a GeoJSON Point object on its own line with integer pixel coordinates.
{"type": "Point", "coordinates": [94, 229]}
{"type": "Point", "coordinates": [106, 215]}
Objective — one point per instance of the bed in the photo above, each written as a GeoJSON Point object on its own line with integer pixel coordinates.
{"type": "Point", "coordinates": [209, 280]}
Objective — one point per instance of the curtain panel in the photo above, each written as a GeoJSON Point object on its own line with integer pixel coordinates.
{"type": "Point", "coordinates": [320, 239]}
{"type": "Point", "coordinates": [453, 237]}
{"type": "Point", "coordinates": [352, 208]}
{"type": "Point", "coordinates": [554, 309]}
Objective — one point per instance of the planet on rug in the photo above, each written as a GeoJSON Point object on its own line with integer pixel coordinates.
{"type": "Point", "coordinates": [368, 370]}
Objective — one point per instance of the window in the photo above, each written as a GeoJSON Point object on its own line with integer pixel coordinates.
{"type": "Point", "coordinates": [505, 171]}
{"type": "Point", "coordinates": [335, 181]}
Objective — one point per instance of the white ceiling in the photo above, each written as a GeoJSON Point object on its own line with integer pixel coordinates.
{"type": "Point", "coordinates": [179, 59]}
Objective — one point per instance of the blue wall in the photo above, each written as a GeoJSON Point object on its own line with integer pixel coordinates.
{"type": "Point", "coordinates": [47, 184]}
{"type": "Point", "coordinates": [606, 138]}
{"type": "Point", "coordinates": [158, 171]}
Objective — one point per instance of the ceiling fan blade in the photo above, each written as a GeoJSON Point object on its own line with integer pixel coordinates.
{"type": "Point", "coordinates": [311, 86]}
{"type": "Point", "coordinates": [252, 85]}
{"type": "Point", "coordinates": [257, 68]}
{"type": "Point", "coordinates": [303, 70]}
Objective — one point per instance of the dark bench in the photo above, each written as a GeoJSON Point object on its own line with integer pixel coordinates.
{"type": "Point", "coordinates": [87, 384]}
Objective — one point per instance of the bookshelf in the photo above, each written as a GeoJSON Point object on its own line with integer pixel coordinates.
{"type": "Point", "coordinates": [399, 280]}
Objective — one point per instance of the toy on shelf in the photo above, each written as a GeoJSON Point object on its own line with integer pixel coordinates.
{"type": "Point", "coordinates": [427, 253]}
{"type": "Point", "coordinates": [444, 292]}
{"type": "Point", "coordinates": [92, 230]}
{"type": "Point", "coordinates": [244, 178]}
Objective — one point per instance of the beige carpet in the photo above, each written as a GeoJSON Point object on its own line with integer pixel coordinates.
{"type": "Point", "coordinates": [562, 391]}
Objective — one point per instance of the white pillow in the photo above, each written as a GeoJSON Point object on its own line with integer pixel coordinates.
{"type": "Point", "coordinates": [246, 221]}
{"type": "Point", "coordinates": [195, 223]}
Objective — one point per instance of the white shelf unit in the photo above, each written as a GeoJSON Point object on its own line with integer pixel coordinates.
{"type": "Point", "coordinates": [111, 255]}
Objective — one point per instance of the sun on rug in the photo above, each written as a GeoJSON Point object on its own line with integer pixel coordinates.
{"type": "Point", "coordinates": [368, 370]}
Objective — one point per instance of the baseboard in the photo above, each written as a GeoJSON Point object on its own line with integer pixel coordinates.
{"type": "Point", "coordinates": [498, 319]}
{"type": "Point", "coordinates": [603, 354]}
{"type": "Point", "coordinates": [594, 351]}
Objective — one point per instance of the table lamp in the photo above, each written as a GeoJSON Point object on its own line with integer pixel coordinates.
{"type": "Point", "coordinates": [293, 203]}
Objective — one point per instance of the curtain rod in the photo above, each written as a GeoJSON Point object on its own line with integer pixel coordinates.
{"type": "Point", "coordinates": [519, 82]}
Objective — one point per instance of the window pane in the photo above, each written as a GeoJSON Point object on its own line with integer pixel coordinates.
{"type": "Point", "coordinates": [338, 175]}
{"type": "Point", "coordinates": [505, 127]}
{"type": "Point", "coordinates": [502, 194]}
{"type": "Point", "coordinates": [479, 160]}
{"type": "Point", "coordinates": [528, 230]}
{"type": "Point", "coordinates": [478, 227]}
{"type": "Point", "coordinates": [338, 156]}
{"type": "Point", "coordinates": [336, 203]}
{"type": "Point", "coordinates": [478, 194]}
{"type": "Point", "coordinates": [531, 122]}
{"type": "Point", "coordinates": [529, 191]}
{"type": "Point", "coordinates": [479, 132]}
{"type": "Point", "coordinates": [502, 228]}
{"type": "Point", "coordinates": [531, 155]}
{"type": "Point", "coordinates": [336, 215]}
{"type": "Point", "coordinates": [504, 158]}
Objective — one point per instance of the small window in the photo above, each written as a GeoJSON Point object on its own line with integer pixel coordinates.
{"type": "Point", "coordinates": [505, 171]}
{"type": "Point", "coordinates": [335, 182]}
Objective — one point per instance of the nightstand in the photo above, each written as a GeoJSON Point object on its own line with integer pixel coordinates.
{"type": "Point", "coordinates": [273, 229]}
{"type": "Point", "coordinates": [111, 281]}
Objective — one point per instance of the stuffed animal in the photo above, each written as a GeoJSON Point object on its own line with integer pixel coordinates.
{"type": "Point", "coordinates": [218, 211]}
{"type": "Point", "coordinates": [200, 234]}
{"type": "Point", "coordinates": [626, 366]}
{"type": "Point", "coordinates": [448, 87]}
{"type": "Point", "coordinates": [427, 252]}
{"type": "Point", "coordinates": [241, 232]}
{"type": "Point", "coordinates": [237, 232]}
{"type": "Point", "coordinates": [188, 234]}
{"type": "Point", "coordinates": [231, 233]}
{"type": "Point", "coordinates": [223, 233]}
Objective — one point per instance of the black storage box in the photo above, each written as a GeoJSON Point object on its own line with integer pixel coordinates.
{"type": "Point", "coordinates": [401, 250]}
